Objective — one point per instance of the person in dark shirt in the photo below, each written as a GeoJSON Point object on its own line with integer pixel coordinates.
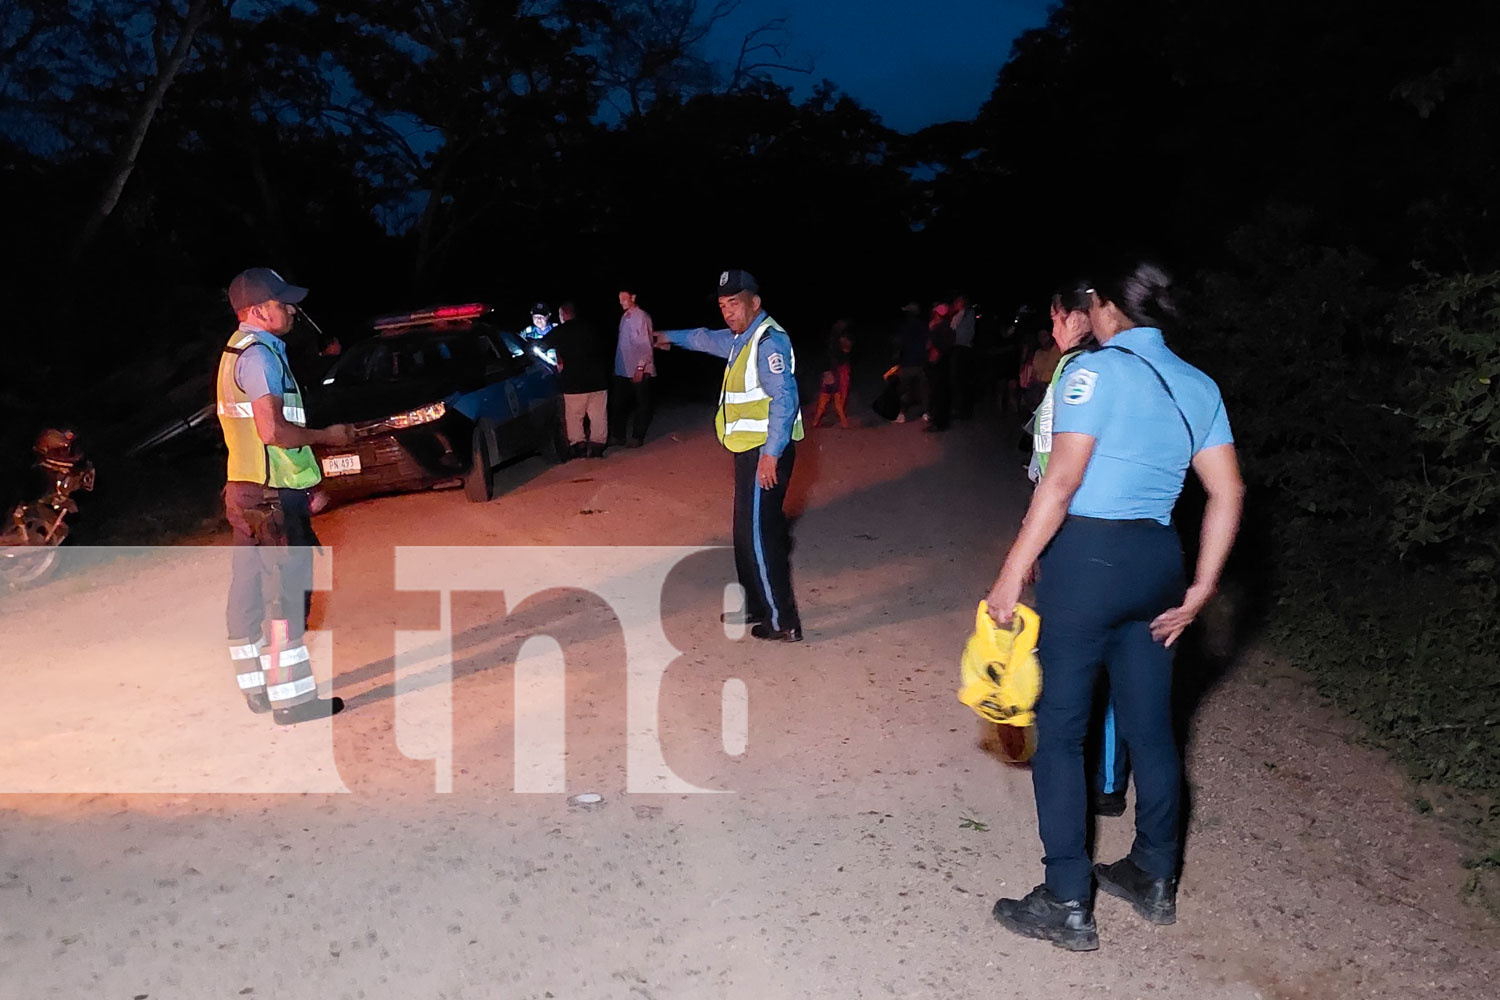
{"type": "Point", "coordinates": [939, 360]}
{"type": "Point", "coordinates": [911, 355]}
{"type": "Point", "coordinates": [583, 377]}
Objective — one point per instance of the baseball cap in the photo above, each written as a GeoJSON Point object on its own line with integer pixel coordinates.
{"type": "Point", "coordinates": [734, 282]}
{"type": "Point", "coordinates": [261, 284]}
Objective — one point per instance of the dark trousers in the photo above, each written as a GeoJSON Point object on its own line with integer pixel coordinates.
{"type": "Point", "coordinates": [939, 392]}
{"type": "Point", "coordinates": [761, 545]}
{"type": "Point", "coordinates": [1100, 585]}
{"type": "Point", "coordinates": [271, 569]}
{"type": "Point", "coordinates": [629, 400]}
{"type": "Point", "coordinates": [965, 381]}
{"type": "Point", "coordinates": [271, 577]}
{"type": "Point", "coordinates": [913, 389]}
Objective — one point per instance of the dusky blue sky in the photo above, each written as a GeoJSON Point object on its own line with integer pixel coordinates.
{"type": "Point", "coordinates": [913, 62]}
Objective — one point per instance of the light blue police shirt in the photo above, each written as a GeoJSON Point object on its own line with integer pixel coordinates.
{"type": "Point", "coordinates": [256, 371]}
{"type": "Point", "coordinates": [776, 375]}
{"type": "Point", "coordinates": [1142, 449]}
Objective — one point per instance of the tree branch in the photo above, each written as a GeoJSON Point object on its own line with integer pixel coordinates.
{"type": "Point", "coordinates": [745, 70]}
{"type": "Point", "coordinates": [124, 163]}
{"type": "Point", "coordinates": [403, 148]}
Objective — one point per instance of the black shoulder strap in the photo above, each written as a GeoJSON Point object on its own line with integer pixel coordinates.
{"type": "Point", "coordinates": [1192, 438]}
{"type": "Point", "coordinates": [286, 373]}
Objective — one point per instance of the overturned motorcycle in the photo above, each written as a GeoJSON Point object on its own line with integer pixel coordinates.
{"type": "Point", "coordinates": [29, 545]}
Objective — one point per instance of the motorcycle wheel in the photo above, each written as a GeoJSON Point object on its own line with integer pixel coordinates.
{"type": "Point", "coordinates": [25, 564]}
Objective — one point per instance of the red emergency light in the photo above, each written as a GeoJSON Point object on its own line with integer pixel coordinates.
{"type": "Point", "coordinates": [472, 310]}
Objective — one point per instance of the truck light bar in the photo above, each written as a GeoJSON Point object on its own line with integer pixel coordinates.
{"type": "Point", "coordinates": [472, 310]}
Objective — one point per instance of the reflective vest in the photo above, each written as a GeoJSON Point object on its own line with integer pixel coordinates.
{"type": "Point", "coordinates": [250, 459]}
{"type": "Point", "coordinates": [744, 415]}
{"type": "Point", "coordinates": [1041, 428]}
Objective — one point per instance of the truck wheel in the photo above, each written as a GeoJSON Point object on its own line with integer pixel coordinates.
{"type": "Point", "coordinates": [479, 484]}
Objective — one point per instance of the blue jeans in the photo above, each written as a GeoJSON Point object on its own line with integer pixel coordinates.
{"type": "Point", "coordinates": [1101, 583]}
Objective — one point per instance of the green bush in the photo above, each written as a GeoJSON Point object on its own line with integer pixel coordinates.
{"type": "Point", "coordinates": [1368, 424]}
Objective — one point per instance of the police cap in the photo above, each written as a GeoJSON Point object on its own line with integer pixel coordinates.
{"type": "Point", "coordinates": [734, 282]}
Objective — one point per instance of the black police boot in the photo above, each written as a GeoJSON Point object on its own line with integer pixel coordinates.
{"type": "Point", "coordinates": [577, 450]}
{"type": "Point", "coordinates": [1040, 914]}
{"type": "Point", "coordinates": [308, 711]}
{"type": "Point", "coordinates": [1109, 803]}
{"type": "Point", "coordinates": [257, 702]}
{"type": "Point", "coordinates": [1153, 898]}
{"type": "Point", "coordinates": [596, 449]}
{"type": "Point", "coordinates": [763, 630]}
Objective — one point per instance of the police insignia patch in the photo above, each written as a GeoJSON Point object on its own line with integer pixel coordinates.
{"type": "Point", "coordinates": [723, 278]}
{"type": "Point", "coordinates": [777, 363]}
{"type": "Point", "coordinates": [1079, 388]}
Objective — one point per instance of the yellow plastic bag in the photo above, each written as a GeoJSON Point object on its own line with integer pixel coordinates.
{"type": "Point", "coordinates": [1001, 675]}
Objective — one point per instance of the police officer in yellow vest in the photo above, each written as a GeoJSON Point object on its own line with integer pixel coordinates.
{"type": "Point", "coordinates": [760, 421]}
{"type": "Point", "coordinates": [271, 470]}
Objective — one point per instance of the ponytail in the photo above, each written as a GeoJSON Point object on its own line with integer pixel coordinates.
{"type": "Point", "coordinates": [1143, 292]}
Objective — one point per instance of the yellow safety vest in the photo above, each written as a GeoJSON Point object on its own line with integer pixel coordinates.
{"type": "Point", "coordinates": [1041, 433]}
{"type": "Point", "coordinates": [744, 415]}
{"type": "Point", "coordinates": [250, 459]}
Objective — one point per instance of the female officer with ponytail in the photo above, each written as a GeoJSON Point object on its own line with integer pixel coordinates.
{"type": "Point", "coordinates": [1129, 419]}
{"type": "Point", "coordinates": [1073, 336]}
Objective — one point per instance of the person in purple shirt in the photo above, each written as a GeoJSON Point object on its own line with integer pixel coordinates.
{"type": "Point", "coordinates": [635, 368]}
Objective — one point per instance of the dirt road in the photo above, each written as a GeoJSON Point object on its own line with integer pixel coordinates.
{"type": "Point", "coordinates": [158, 841]}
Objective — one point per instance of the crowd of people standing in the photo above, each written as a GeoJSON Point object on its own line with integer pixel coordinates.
{"type": "Point", "coordinates": [602, 406]}
{"type": "Point", "coordinates": [1119, 420]}
{"type": "Point", "coordinates": [940, 367]}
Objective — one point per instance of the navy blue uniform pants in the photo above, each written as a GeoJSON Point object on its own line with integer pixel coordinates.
{"type": "Point", "coordinates": [761, 545]}
{"type": "Point", "coordinates": [1101, 583]}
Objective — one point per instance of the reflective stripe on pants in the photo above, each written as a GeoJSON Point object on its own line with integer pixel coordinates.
{"type": "Point", "coordinates": [244, 657]}
{"type": "Point", "coordinates": [290, 680]}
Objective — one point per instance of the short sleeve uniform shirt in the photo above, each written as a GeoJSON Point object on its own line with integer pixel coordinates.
{"type": "Point", "coordinates": [1144, 437]}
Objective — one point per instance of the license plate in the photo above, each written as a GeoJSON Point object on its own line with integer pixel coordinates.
{"type": "Point", "coordinates": [340, 465]}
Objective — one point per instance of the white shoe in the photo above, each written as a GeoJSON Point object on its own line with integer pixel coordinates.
{"type": "Point", "coordinates": [926, 417]}
{"type": "Point", "coordinates": [900, 418]}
